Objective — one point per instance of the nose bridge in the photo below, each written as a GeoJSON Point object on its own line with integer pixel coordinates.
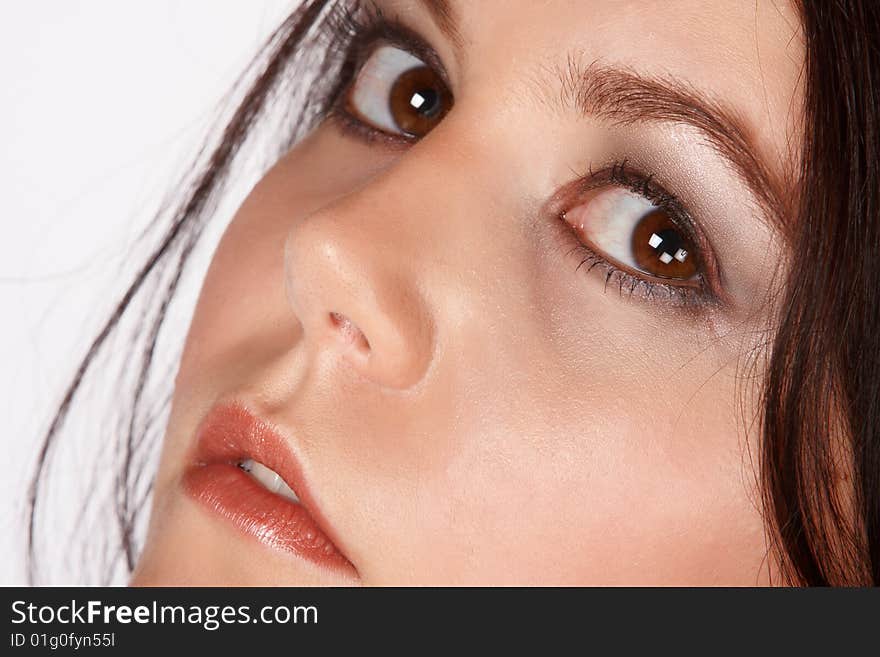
{"type": "Point", "coordinates": [355, 274]}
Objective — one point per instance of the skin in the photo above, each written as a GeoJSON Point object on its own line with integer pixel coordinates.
{"type": "Point", "coordinates": [514, 421]}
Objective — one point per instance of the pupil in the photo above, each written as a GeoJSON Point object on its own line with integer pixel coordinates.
{"type": "Point", "coordinates": [668, 244]}
{"type": "Point", "coordinates": [424, 101]}
{"type": "Point", "coordinates": [659, 248]}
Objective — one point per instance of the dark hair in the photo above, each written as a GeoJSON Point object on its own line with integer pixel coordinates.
{"type": "Point", "coordinates": [820, 442]}
{"type": "Point", "coordinates": [821, 429]}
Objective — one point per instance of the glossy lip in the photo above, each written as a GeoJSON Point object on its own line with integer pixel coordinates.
{"type": "Point", "coordinates": [229, 434]}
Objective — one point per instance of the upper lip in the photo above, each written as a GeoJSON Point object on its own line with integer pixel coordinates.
{"type": "Point", "coordinates": [231, 433]}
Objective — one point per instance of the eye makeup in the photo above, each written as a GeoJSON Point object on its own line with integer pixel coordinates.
{"type": "Point", "coordinates": [366, 29]}
{"type": "Point", "coordinates": [700, 291]}
{"type": "Point", "coordinates": [360, 30]}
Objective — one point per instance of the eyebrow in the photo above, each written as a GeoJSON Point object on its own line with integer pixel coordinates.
{"type": "Point", "coordinates": [624, 97]}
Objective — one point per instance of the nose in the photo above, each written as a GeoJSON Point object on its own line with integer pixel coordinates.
{"type": "Point", "coordinates": [351, 281]}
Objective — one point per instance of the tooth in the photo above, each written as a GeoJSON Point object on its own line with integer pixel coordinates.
{"type": "Point", "coordinates": [285, 491]}
{"type": "Point", "coordinates": [265, 476]}
{"type": "Point", "coordinates": [268, 478]}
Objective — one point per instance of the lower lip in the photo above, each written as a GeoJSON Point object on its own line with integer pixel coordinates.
{"type": "Point", "coordinates": [229, 435]}
{"type": "Point", "coordinates": [276, 521]}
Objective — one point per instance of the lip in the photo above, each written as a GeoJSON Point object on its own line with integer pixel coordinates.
{"type": "Point", "coordinates": [230, 433]}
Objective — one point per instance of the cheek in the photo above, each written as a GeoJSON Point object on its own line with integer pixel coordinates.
{"type": "Point", "coordinates": [647, 461]}
{"type": "Point", "coordinates": [604, 465]}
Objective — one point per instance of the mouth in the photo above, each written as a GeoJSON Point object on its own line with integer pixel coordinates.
{"type": "Point", "coordinates": [243, 470]}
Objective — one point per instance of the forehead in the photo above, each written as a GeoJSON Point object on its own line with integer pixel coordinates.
{"type": "Point", "coordinates": [696, 39]}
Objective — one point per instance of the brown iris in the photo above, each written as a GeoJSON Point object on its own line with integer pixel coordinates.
{"type": "Point", "coordinates": [418, 101]}
{"type": "Point", "coordinates": [660, 249]}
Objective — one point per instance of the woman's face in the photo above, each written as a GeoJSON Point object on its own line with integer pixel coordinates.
{"type": "Point", "coordinates": [517, 346]}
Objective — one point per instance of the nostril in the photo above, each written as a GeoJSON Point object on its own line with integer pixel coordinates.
{"type": "Point", "coordinates": [350, 332]}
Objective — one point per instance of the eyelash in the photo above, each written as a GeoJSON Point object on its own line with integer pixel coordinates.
{"type": "Point", "coordinates": [620, 173]}
{"type": "Point", "coordinates": [359, 26]}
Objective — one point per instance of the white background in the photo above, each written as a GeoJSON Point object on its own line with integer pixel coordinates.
{"type": "Point", "coordinates": [102, 104]}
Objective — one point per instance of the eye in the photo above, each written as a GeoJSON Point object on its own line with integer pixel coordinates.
{"type": "Point", "coordinates": [634, 233]}
{"type": "Point", "coordinates": [397, 93]}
